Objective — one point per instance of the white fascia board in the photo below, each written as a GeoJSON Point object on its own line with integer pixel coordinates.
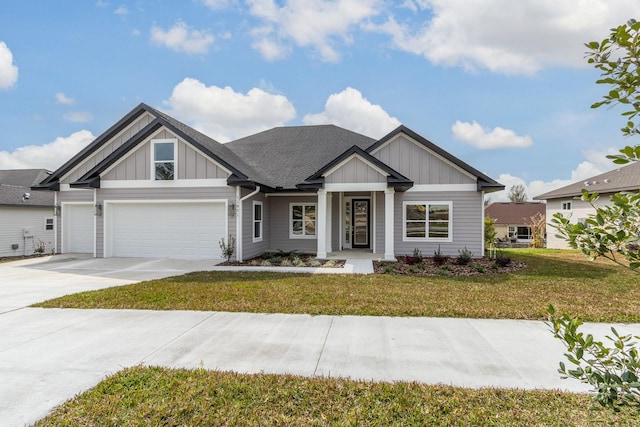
{"type": "Point", "coordinates": [178, 183]}
{"type": "Point", "coordinates": [374, 186]}
{"type": "Point", "coordinates": [443, 187]}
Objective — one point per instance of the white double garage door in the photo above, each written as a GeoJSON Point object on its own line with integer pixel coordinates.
{"type": "Point", "coordinates": [190, 230]}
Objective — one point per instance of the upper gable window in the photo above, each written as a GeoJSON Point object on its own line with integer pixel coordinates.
{"type": "Point", "coordinates": [164, 159]}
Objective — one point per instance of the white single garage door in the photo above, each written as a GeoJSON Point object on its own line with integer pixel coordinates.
{"type": "Point", "coordinates": [77, 228]}
{"type": "Point", "coordinates": [189, 230]}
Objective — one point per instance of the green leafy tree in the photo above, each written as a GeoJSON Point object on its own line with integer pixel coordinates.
{"type": "Point", "coordinates": [489, 231]}
{"type": "Point", "coordinates": [517, 193]}
{"type": "Point", "coordinates": [611, 232]}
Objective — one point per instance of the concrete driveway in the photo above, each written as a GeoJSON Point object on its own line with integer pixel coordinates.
{"type": "Point", "coordinates": [34, 280]}
{"type": "Point", "coordinates": [47, 356]}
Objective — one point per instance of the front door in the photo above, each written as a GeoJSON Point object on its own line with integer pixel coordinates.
{"type": "Point", "coordinates": [360, 224]}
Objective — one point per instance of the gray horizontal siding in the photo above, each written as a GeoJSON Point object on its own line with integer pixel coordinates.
{"type": "Point", "coordinates": [12, 223]}
{"type": "Point", "coordinates": [280, 226]}
{"type": "Point", "coordinates": [249, 248]}
{"type": "Point", "coordinates": [467, 223]}
{"type": "Point", "coordinates": [419, 164]}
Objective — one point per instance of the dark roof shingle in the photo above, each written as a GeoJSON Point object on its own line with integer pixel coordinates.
{"type": "Point", "coordinates": [626, 178]}
{"type": "Point", "coordinates": [14, 183]}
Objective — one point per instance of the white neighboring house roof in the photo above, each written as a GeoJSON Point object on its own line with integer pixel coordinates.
{"type": "Point", "coordinates": [625, 178]}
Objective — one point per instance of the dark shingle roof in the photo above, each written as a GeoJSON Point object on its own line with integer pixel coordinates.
{"type": "Point", "coordinates": [286, 156]}
{"type": "Point", "coordinates": [508, 213]}
{"type": "Point", "coordinates": [16, 182]}
{"type": "Point", "coordinates": [625, 178]}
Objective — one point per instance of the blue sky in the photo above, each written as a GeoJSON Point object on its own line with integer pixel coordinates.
{"type": "Point", "coordinates": [501, 84]}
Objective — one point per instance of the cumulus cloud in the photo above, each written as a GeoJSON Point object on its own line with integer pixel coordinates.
{"type": "Point", "coordinates": [486, 139]}
{"type": "Point", "coordinates": [183, 38]}
{"type": "Point", "coordinates": [61, 98]}
{"type": "Point", "coordinates": [225, 114]}
{"type": "Point", "coordinates": [121, 11]}
{"type": "Point", "coordinates": [502, 35]}
{"type": "Point", "coordinates": [78, 116]}
{"type": "Point", "coordinates": [307, 23]}
{"type": "Point", "coordinates": [8, 71]}
{"type": "Point", "coordinates": [350, 110]}
{"type": "Point", "coordinates": [595, 163]}
{"type": "Point", "coordinates": [219, 4]}
{"type": "Point", "coordinates": [49, 156]}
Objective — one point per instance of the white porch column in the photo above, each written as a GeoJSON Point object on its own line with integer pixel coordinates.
{"type": "Point", "coordinates": [388, 224]}
{"type": "Point", "coordinates": [328, 243]}
{"type": "Point", "coordinates": [321, 223]}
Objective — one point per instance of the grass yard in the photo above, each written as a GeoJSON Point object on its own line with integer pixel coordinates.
{"type": "Point", "coordinates": [594, 291]}
{"type": "Point", "coordinates": [158, 396]}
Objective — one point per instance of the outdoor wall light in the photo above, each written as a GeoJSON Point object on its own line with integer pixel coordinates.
{"type": "Point", "coordinates": [232, 210]}
{"type": "Point", "coordinates": [97, 209]}
{"type": "Point", "coordinates": [56, 210]}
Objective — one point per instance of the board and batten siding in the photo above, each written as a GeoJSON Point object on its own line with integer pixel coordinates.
{"type": "Point", "coordinates": [73, 195]}
{"type": "Point", "coordinates": [108, 148]}
{"type": "Point", "coordinates": [190, 164]}
{"type": "Point", "coordinates": [13, 220]}
{"type": "Point", "coordinates": [579, 211]}
{"type": "Point", "coordinates": [279, 225]}
{"type": "Point", "coordinates": [355, 171]}
{"type": "Point", "coordinates": [159, 194]}
{"type": "Point", "coordinates": [468, 211]}
{"type": "Point", "coordinates": [251, 249]}
{"type": "Point", "coordinates": [419, 164]}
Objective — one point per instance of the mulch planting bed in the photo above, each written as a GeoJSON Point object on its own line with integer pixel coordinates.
{"type": "Point", "coordinates": [450, 266]}
{"type": "Point", "coordinates": [287, 260]}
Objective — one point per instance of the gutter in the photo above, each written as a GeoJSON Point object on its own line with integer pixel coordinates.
{"type": "Point", "coordinates": [239, 201]}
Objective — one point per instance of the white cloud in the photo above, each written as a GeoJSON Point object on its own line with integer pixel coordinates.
{"type": "Point", "coordinates": [350, 110]}
{"type": "Point", "coordinates": [121, 11]}
{"type": "Point", "coordinates": [505, 36]}
{"type": "Point", "coordinates": [49, 156]}
{"type": "Point", "coordinates": [182, 38]}
{"type": "Point", "coordinates": [8, 71]}
{"type": "Point", "coordinates": [308, 23]}
{"type": "Point", "coordinates": [485, 139]}
{"type": "Point", "coordinates": [78, 116]}
{"type": "Point", "coordinates": [61, 98]}
{"type": "Point", "coordinates": [596, 163]}
{"type": "Point", "coordinates": [225, 114]}
{"type": "Point", "coordinates": [101, 3]}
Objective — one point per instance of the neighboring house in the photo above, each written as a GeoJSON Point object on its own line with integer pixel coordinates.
{"type": "Point", "coordinates": [151, 186]}
{"type": "Point", "coordinates": [513, 220]}
{"type": "Point", "coordinates": [26, 217]}
{"type": "Point", "coordinates": [566, 200]}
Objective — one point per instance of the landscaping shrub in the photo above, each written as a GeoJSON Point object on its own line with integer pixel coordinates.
{"type": "Point", "coordinates": [439, 258]}
{"type": "Point", "coordinates": [465, 256]}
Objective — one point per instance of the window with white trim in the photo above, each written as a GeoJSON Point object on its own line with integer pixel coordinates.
{"type": "Point", "coordinates": [48, 223]}
{"type": "Point", "coordinates": [566, 206]}
{"type": "Point", "coordinates": [164, 159]}
{"type": "Point", "coordinates": [427, 221]}
{"type": "Point", "coordinates": [302, 220]}
{"type": "Point", "coordinates": [257, 221]}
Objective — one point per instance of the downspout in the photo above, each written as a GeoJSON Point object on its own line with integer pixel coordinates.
{"type": "Point", "coordinates": [239, 200]}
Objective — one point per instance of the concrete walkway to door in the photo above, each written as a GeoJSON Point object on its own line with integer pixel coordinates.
{"type": "Point", "coordinates": [47, 356]}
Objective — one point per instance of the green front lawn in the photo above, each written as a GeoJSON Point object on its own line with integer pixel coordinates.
{"type": "Point", "coordinates": [594, 291]}
{"type": "Point", "coordinates": [163, 397]}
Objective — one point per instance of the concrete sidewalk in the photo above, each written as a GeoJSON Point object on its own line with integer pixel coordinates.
{"type": "Point", "coordinates": [49, 355]}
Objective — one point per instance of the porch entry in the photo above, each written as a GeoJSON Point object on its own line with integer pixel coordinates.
{"type": "Point", "coordinates": [357, 223]}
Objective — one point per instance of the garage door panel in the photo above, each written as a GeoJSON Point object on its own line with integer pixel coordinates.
{"type": "Point", "coordinates": [78, 228]}
{"type": "Point", "coordinates": [171, 230]}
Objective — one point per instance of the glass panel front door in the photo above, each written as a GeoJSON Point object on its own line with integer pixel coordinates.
{"type": "Point", "coordinates": [360, 223]}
